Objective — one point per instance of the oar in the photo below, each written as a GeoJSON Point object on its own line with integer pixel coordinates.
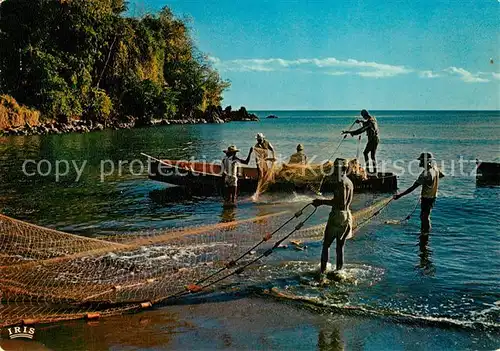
{"type": "Point", "coordinates": [175, 166]}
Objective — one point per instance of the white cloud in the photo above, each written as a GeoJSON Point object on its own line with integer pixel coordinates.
{"type": "Point", "coordinates": [350, 66]}
{"type": "Point", "coordinates": [213, 60]}
{"type": "Point", "coordinates": [466, 76]}
{"type": "Point", "coordinates": [428, 74]}
{"type": "Point", "coordinates": [337, 73]}
{"type": "Point", "coordinates": [334, 67]}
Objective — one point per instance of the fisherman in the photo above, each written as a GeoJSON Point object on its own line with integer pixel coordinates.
{"type": "Point", "coordinates": [299, 157]}
{"type": "Point", "coordinates": [370, 126]}
{"type": "Point", "coordinates": [230, 172]}
{"type": "Point", "coordinates": [429, 180]}
{"type": "Point", "coordinates": [261, 149]}
{"type": "Point", "coordinates": [339, 226]}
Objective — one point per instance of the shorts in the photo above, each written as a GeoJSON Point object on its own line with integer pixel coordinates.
{"type": "Point", "coordinates": [427, 203]}
{"type": "Point", "coordinates": [230, 181]}
{"type": "Point", "coordinates": [339, 226]}
{"type": "Point", "coordinates": [372, 145]}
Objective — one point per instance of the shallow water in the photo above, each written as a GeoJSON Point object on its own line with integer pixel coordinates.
{"type": "Point", "coordinates": [450, 281]}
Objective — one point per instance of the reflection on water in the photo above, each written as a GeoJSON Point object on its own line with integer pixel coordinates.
{"type": "Point", "coordinates": [228, 214]}
{"type": "Point", "coordinates": [425, 265]}
{"type": "Point", "coordinates": [330, 340]}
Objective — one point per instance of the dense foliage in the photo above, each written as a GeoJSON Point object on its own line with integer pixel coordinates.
{"type": "Point", "coordinates": [84, 58]}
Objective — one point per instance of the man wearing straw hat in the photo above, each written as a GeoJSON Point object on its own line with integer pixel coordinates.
{"type": "Point", "coordinates": [429, 180]}
{"type": "Point", "coordinates": [230, 172]}
{"type": "Point", "coordinates": [339, 226]}
{"type": "Point", "coordinates": [261, 149]}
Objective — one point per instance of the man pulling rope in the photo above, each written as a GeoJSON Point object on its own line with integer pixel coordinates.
{"type": "Point", "coordinates": [339, 226]}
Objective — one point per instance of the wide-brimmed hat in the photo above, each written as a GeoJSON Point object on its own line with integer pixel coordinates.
{"type": "Point", "coordinates": [300, 147]}
{"type": "Point", "coordinates": [259, 136]}
{"type": "Point", "coordinates": [425, 156]}
{"type": "Point", "coordinates": [231, 149]}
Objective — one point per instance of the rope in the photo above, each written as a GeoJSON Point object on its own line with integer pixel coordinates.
{"type": "Point", "coordinates": [341, 141]}
{"type": "Point", "coordinates": [195, 288]}
{"type": "Point", "coordinates": [317, 191]}
{"type": "Point", "coordinates": [267, 237]}
{"type": "Point", "coordinates": [265, 254]}
{"type": "Point", "coordinates": [407, 218]}
{"type": "Point", "coordinates": [363, 223]}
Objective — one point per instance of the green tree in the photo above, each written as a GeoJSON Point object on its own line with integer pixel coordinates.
{"type": "Point", "coordinates": [83, 58]}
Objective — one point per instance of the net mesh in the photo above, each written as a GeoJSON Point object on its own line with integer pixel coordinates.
{"type": "Point", "coordinates": [311, 176]}
{"type": "Point", "coordinates": [48, 275]}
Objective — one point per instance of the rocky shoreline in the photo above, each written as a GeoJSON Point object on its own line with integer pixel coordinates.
{"type": "Point", "coordinates": [211, 115]}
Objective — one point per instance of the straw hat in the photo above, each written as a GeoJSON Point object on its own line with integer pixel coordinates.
{"type": "Point", "coordinates": [231, 149]}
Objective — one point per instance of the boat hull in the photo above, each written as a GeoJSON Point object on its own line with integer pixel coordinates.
{"type": "Point", "coordinates": [206, 178]}
{"type": "Point", "coordinates": [488, 173]}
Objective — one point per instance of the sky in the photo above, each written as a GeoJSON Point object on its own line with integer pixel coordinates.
{"type": "Point", "coordinates": [348, 54]}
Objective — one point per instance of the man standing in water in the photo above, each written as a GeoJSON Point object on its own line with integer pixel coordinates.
{"type": "Point", "coordinates": [230, 173]}
{"type": "Point", "coordinates": [339, 226]}
{"type": "Point", "coordinates": [370, 126]}
{"type": "Point", "coordinates": [429, 180]}
{"type": "Point", "coordinates": [261, 149]}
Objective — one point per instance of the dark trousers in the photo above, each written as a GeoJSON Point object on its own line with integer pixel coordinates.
{"type": "Point", "coordinates": [426, 205]}
{"type": "Point", "coordinates": [370, 152]}
{"type": "Point", "coordinates": [230, 194]}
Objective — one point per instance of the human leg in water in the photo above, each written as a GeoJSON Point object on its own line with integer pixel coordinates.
{"type": "Point", "coordinates": [425, 214]}
{"type": "Point", "coordinates": [340, 253]}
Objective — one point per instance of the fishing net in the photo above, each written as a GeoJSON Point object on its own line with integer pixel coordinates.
{"type": "Point", "coordinates": [308, 176]}
{"type": "Point", "coordinates": [48, 275]}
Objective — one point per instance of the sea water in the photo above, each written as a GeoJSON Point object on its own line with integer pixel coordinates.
{"type": "Point", "coordinates": [447, 284]}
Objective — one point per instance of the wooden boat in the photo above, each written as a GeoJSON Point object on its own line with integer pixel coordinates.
{"type": "Point", "coordinates": [207, 178]}
{"type": "Point", "coordinates": [488, 173]}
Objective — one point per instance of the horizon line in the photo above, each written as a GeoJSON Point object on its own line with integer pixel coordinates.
{"type": "Point", "coordinates": [387, 110]}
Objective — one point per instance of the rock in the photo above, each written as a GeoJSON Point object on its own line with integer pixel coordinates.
{"type": "Point", "coordinates": [199, 113]}
{"type": "Point", "coordinates": [242, 115]}
{"type": "Point", "coordinates": [272, 116]}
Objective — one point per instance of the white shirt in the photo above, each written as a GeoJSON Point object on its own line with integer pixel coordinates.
{"type": "Point", "coordinates": [230, 167]}
{"type": "Point", "coordinates": [429, 180]}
